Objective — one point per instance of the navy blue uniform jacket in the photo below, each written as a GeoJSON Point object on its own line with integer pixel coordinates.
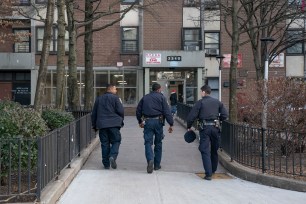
{"type": "Point", "coordinates": [208, 108]}
{"type": "Point", "coordinates": [152, 105]}
{"type": "Point", "coordinates": [107, 112]}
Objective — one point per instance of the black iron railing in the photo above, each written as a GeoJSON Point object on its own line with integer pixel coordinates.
{"type": "Point", "coordinates": [270, 151]}
{"type": "Point", "coordinates": [28, 165]}
{"type": "Point", "coordinates": [183, 110]}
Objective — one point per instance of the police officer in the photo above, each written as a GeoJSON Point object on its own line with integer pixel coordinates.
{"type": "Point", "coordinates": [107, 117]}
{"type": "Point", "coordinates": [151, 111]}
{"type": "Point", "coordinates": [210, 112]}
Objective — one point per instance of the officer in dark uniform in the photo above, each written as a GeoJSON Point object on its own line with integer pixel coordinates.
{"type": "Point", "coordinates": [107, 117]}
{"type": "Point", "coordinates": [151, 112]}
{"type": "Point", "coordinates": [210, 112]}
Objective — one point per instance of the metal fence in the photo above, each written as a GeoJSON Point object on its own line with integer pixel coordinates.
{"type": "Point", "coordinates": [270, 151]}
{"type": "Point", "coordinates": [28, 165]}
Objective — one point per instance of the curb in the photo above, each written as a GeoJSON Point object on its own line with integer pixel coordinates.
{"type": "Point", "coordinates": [252, 175]}
{"type": "Point", "coordinates": [53, 191]}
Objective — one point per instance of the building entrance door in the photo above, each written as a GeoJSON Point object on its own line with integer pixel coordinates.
{"type": "Point", "coordinates": [177, 85]}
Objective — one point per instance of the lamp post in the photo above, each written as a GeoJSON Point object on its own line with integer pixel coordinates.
{"type": "Point", "coordinates": [220, 58]}
{"type": "Point", "coordinates": [266, 40]}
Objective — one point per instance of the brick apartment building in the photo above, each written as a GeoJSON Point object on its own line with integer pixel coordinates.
{"type": "Point", "coordinates": [161, 45]}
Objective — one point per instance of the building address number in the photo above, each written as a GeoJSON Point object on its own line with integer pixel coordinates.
{"type": "Point", "coordinates": [174, 58]}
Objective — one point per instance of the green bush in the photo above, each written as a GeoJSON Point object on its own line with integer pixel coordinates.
{"type": "Point", "coordinates": [56, 118]}
{"type": "Point", "coordinates": [18, 121]}
{"type": "Point", "coordinates": [18, 126]}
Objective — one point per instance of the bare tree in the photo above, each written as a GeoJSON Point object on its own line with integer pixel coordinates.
{"type": "Point", "coordinates": [42, 72]}
{"type": "Point", "coordinates": [73, 91]}
{"type": "Point", "coordinates": [257, 19]}
{"type": "Point", "coordinates": [60, 71]}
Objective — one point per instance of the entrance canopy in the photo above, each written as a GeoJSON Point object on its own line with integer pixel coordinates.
{"type": "Point", "coordinates": [173, 58]}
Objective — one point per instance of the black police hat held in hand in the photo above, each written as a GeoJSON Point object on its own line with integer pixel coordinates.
{"type": "Point", "coordinates": [190, 136]}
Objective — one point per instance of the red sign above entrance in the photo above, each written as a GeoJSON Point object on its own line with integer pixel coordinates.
{"type": "Point", "coordinates": [153, 58]}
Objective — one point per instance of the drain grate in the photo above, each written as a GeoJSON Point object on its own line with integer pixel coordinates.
{"type": "Point", "coordinates": [216, 176]}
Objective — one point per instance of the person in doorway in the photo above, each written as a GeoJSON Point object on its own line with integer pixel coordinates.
{"type": "Point", "coordinates": [173, 102]}
{"type": "Point", "coordinates": [107, 117]}
{"type": "Point", "coordinates": [209, 111]}
{"type": "Point", "coordinates": [151, 112]}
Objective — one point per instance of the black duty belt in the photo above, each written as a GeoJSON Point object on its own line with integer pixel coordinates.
{"type": "Point", "coordinates": [209, 123]}
{"type": "Point", "coordinates": [152, 117]}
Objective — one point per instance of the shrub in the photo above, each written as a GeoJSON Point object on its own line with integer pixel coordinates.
{"type": "Point", "coordinates": [56, 118]}
{"type": "Point", "coordinates": [18, 121]}
{"type": "Point", "coordinates": [18, 129]}
{"type": "Point", "coordinates": [286, 104]}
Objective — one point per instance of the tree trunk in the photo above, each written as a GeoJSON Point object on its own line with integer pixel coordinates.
{"type": "Point", "coordinates": [234, 63]}
{"type": "Point", "coordinates": [255, 48]}
{"type": "Point", "coordinates": [88, 57]}
{"type": "Point", "coordinates": [42, 72]}
{"type": "Point", "coordinates": [73, 90]}
{"type": "Point", "coordinates": [60, 71]}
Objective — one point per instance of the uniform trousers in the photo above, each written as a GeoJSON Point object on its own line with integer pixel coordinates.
{"type": "Point", "coordinates": [209, 145]}
{"type": "Point", "coordinates": [110, 139]}
{"type": "Point", "coordinates": [153, 131]}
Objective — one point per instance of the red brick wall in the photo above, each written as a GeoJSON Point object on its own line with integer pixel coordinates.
{"type": "Point", "coordinates": [106, 42]}
{"type": "Point", "coordinates": [7, 44]}
{"type": "Point", "coordinates": [162, 28]}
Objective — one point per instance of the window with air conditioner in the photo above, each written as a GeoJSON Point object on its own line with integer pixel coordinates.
{"type": "Point", "coordinates": [129, 40]}
{"type": "Point", "coordinates": [212, 43]}
{"type": "Point", "coordinates": [22, 40]}
{"type": "Point", "coordinates": [191, 39]}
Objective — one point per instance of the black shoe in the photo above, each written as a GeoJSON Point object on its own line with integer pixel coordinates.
{"type": "Point", "coordinates": [113, 163]}
{"type": "Point", "coordinates": [106, 167]}
{"type": "Point", "coordinates": [207, 178]}
{"type": "Point", "coordinates": [150, 167]}
{"type": "Point", "coordinates": [157, 167]}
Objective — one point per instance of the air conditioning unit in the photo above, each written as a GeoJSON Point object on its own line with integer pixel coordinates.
{"type": "Point", "coordinates": [191, 48]}
{"type": "Point", "coordinates": [212, 51]}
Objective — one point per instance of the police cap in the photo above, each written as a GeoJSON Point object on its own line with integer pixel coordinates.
{"type": "Point", "coordinates": [190, 136]}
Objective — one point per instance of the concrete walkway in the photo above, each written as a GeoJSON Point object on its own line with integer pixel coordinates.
{"type": "Point", "coordinates": [178, 181]}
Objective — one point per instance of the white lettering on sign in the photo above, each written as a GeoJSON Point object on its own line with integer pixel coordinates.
{"type": "Point", "coordinates": [174, 58]}
{"type": "Point", "coordinates": [153, 58]}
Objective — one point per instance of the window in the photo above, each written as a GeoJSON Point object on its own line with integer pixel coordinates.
{"type": "Point", "coordinates": [295, 41]}
{"type": "Point", "coordinates": [191, 3]}
{"type": "Point", "coordinates": [22, 43]}
{"type": "Point", "coordinates": [129, 36]}
{"type": "Point", "coordinates": [212, 41]}
{"type": "Point", "coordinates": [53, 44]}
{"type": "Point", "coordinates": [129, 1]}
{"type": "Point", "coordinates": [295, 2]}
{"type": "Point", "coordinates": [22, 2]}
{"type": "Point", "coordinates": [208, 4]}
{"type": "Point", "coordinates": [214, 85]}
{"type": "Point", "coordinates": [41, 1]}
{"type": "Point", "coordinates": [191, 39]}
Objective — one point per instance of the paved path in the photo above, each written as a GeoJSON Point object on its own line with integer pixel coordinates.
{"type": "Point", "coordinates": [177, 181]}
